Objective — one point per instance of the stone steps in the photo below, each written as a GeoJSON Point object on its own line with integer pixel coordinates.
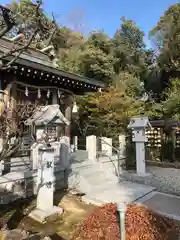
{"type": "Point", "coordinates": [94, 170]}
{"type": "Point", "coordinates": [101, 186]}
{"type": "Point", "coordinates": [80, 165]}
{"type": "Point", "coordinates": [79, 155]}
{"type": "Point", "coordinates": [121, 193]}
{"type": "Point", "coordinates": [97, 179]}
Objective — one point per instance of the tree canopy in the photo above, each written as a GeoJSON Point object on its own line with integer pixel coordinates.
{"type": "Point", "coordinates": [139, 80]}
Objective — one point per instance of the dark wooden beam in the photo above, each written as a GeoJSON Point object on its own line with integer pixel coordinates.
{"type": "Point", "coordinates": [56, 72]}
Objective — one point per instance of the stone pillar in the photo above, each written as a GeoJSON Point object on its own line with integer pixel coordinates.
{"type": "Point", "coordinates": [39, 134]}
{"type": "Point", "coordinates": [13, 96]}
{"type": "Point", "coordinates": [13, 104]}
{"type": "Point", "coordinates": [75, 142]}
{"type": "Point", "coordinates": [74, 146]}
{"type": "Point", "coordinates": [91, 146]}
{"type": "Point", "coordinates": [1, 167]}
{"type": "Point", "coordinates": [54, 98]}
{"type": "Point", "coordinates": [34, 157]}
{"type": "Point", "coordinates": [122, 144]}
{"type": "Point", "coordinates": [10, 96]}
{"type": "Point", "coordinates": [45, 178]}
{"type": "Point", "coordinates": [68, 114]}
{"type": "Point", "coordinates": [68, 117]}
{"type": "Point", "coordinates": [4, 100]}
{"type": "Point", "coordinates": [140, 158]}
{"type": "Point", "coordinates": [45, 182]}
{"type": "Point", "coordinates": [106, 146]}
{"type": "Point", "coordinates": [65, 152]}
{"type": "Point", "coordinates": [7, 94]}
{"type": "Point", "coordinates": [1, 112]}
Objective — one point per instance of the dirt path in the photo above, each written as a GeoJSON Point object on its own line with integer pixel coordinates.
{"type": "Point", "coordinates": [75, 213]}
{"type": "Point", "coordinates": [64, 225]}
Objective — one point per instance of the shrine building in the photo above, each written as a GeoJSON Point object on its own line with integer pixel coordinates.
{"type": "Point", "coordinates": [34, 79]}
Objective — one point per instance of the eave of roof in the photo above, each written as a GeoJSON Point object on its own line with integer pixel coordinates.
{"type": "Point", "coordinates": [40, 61]}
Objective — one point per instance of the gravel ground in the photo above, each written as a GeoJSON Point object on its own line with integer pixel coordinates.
{"type": "Point", "coordinates": [165, 180]}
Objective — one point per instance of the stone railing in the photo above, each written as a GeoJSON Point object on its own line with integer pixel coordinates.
{"type": "Point", "coordinates": [102, 150]}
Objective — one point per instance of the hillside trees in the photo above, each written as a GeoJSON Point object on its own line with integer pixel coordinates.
{"type": "Point", "coordinates": [96, 60]}
{"type": "Point", "coordinates": [123, 62]}
{"type": "Point", "coordinates": [126, 62]}
{"type": "Point", "coordinates": [107, 113]}
{"type": "Point", "coordinates": [166, 36]}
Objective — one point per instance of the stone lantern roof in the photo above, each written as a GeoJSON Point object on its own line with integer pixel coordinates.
{"type": "Point", "coordinates": [47, 115]}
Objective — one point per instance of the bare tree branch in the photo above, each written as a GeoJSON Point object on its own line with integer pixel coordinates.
{"type": "Point", "coordinates": [49, 40]}
{"type": "Point", "coordinates": [10, 129]}
{"type": "Point", "coordinates": [8, 20]}
{"type": "Point", "coordinates": [20, 49]}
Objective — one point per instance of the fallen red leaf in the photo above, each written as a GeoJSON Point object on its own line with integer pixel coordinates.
{"type": "Point", "coordinates": [140, 222]}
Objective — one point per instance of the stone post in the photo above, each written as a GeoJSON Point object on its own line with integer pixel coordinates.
{"type": "Point", "coordinates": [122, 144]}
{"type": "Point", "coordinates": [75, 142]}
{"type": "Point", "coordinates": [39, 134]}
{"type": "Point", "coordinates": [45, 182]}
{"type": "Point", "coordinates": [2, 105]}
{"type": "Point", "coordinates": [1, 167]}
{"type": "Point", "coordinates": [68, 113]}
{"type": "Point", "coordinates": [55, 100]}
{"type": "Point", "coordinates": [54, 97]}
{"type": "Point", "coordinates": [91, 146]}
{"type": "Point", "coordinates": [35, 151]}
{"type": "Point", "coordinates": [45, 178]}
{"type": "Point", "coordinates": [65, 152]}
{"type": "Point", "coordinates": [34, 156]}
{"type": "Point", "coordinates": [13, 105]}
{"type": "Point", "coordinates": [140, 159]}
{"type": "Point", "coordinates": [106, 146]}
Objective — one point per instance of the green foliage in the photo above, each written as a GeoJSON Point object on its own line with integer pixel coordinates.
{"type": "Point", "coordinates": [96, 60]}
{"type": "Point", "coordinates": [171, 105]}
{"type": "Point", "coordinates": [101, 41]}
{"type": "Point", "coordinates": [123, 62]}
{"type": "Point", "coordinates": [167, 38]}
{"type": "Point", "coordinates": [96, 64]}
{"type": "Point", "coordinates": [107, 113]}
{"type": "Point", "coordinates": [128, 47]}
{"type": "Point", "coordinates": [128, 83]}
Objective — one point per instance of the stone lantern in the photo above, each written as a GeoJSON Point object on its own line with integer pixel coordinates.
{"type": "Point", "coordinates": [43, 158]}
{"type": "Point", "coordinates": [139, 126]}
{"type": "Point", "coordinates": [47, 124]}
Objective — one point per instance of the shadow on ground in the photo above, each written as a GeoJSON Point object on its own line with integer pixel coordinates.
{"type": "Point", "coordinates": [61, 228]}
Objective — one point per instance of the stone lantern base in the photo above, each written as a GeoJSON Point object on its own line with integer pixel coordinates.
{"type": "Point", "coordinates": [43, 216]}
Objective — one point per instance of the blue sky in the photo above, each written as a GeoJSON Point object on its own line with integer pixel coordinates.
{"type": "Point", "coordinates": [105, 14]}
